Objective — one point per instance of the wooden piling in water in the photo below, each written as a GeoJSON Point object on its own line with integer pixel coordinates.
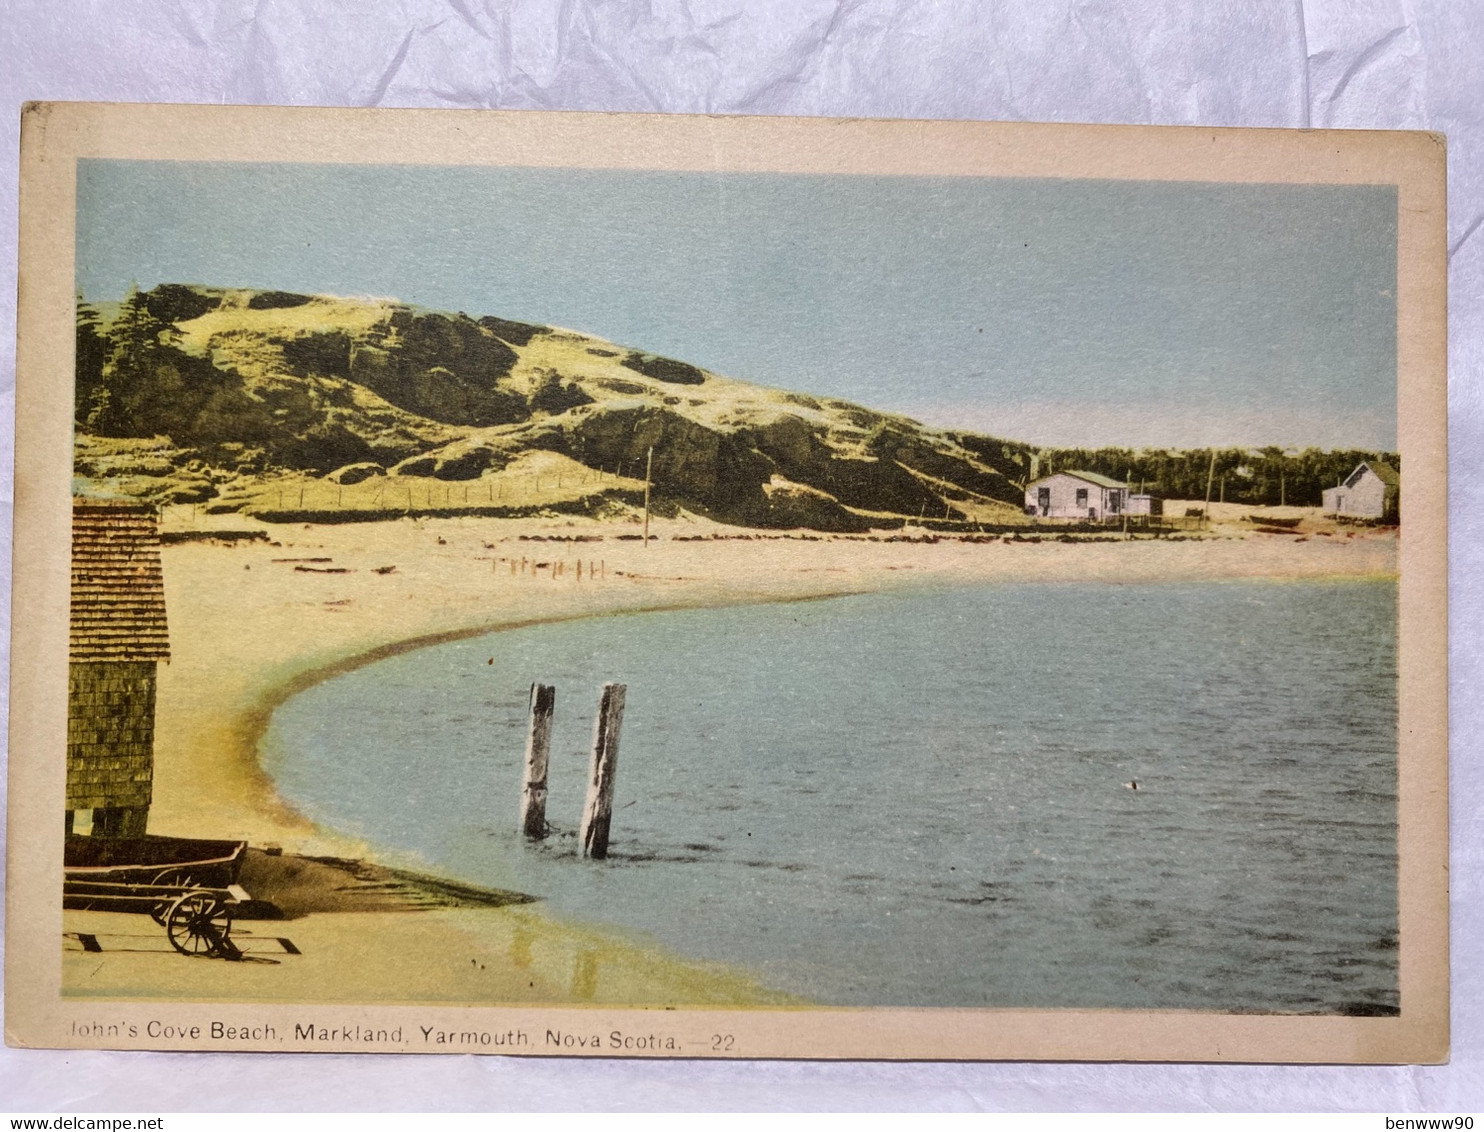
{"type": "Point", "coordinates": [538, 748]}
{"type": "Point", "coordinates": [598, 812]}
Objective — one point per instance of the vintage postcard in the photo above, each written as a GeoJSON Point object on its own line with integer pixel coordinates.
{"type": "Point", "coordinates": [618, 585]}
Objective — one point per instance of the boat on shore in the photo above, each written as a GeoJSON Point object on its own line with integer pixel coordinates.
{"type": "Point", "coordinates": [108, 874]}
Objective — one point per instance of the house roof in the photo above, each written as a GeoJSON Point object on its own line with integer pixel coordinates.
{"type": "Point", "coordinates": [118, 588]}
{"type": "Point", "coordinates": [1387, 474]}
{"type": "Point", "coordinates": [1090, 477]}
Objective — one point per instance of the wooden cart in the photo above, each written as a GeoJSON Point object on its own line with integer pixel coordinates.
{"type": "Point", "coordinates": [187, 886]}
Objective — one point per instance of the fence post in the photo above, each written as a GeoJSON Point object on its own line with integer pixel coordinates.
{"type": "Point", "coordinates": [538, 748]}
{"type": "Point", "coordinates": [598, 812]}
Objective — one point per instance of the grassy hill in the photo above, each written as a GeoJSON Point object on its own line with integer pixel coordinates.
{"type": "Point", "coordinates": [272, 403]}
{"type": "Point", "coordinates": [293, 406]}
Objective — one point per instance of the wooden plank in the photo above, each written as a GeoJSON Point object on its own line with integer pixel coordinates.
{"type": "Point", "coordinates": [538, 748]}
{"type": "Point", "coordinates": [598, 812]}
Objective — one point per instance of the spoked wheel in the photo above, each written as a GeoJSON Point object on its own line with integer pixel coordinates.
{"type": "Point", "coordinates": [199, 923]}
{"type": "Point", "coordinates": [174, 878]}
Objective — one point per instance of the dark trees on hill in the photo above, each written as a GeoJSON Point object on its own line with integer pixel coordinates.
{"type": "Point", "coordinates": [324, 353]}
{"type": "Point", "coordinates": [516, 333]}
{"type": "Point", "coordinates": [663, 369]}
{"type": "Point", "coordinates": [134, 380]}
{"type": "Point", "coordinates": [300, 407]}
{"type": "Point", "coordinates": [93, 348]}
{"type": "Point", "coordinates": [173, 302]}
{"type": "Point", "coordinates": [554, 395]}
{"type": "Point", "coordinates": [446, 368]}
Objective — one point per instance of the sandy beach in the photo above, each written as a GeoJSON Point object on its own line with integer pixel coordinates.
{"type": "Point", "coordinates": [252, 621]}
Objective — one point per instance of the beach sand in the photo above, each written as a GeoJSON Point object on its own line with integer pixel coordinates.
{"type": "Point", "coordinates": [252, 622]}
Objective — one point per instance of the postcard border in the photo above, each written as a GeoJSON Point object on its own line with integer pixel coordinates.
{"type": "Point", "coordinates": [56, 135]}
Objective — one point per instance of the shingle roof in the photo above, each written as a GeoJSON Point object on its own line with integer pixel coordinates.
{"type": "Point", "coordinates": [118, 589]}
{"type": "Point", "coordinates": [1385, 471]}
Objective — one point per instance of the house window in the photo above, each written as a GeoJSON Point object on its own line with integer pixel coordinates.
{"type": "Point", "coordinates": [1114, 501]}
{"type": "Point", "coordinates": [1043, 499]}
{"type": "Point", "coordinates": [1082, 497]}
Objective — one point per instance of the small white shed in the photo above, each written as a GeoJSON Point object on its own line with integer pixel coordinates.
{"type": "Point", "coordinates": [1370, 492]}
{"type": "Point", "coordinates": [1076, 495]}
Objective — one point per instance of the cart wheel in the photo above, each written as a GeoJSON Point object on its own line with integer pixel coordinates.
{"type": "Point", "coordinates": [173, 878]}
{"type": "Point", "coordinates": [199, 923]}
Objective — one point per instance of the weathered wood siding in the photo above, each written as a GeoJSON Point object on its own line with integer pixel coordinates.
{"type": "Point", "coordinates": [118, 634]}
{"type": "Point", "coordinates": [110, 734]}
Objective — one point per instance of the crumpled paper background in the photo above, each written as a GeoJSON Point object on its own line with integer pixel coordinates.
{"type": "Point", "coordinates": [1395, 64]}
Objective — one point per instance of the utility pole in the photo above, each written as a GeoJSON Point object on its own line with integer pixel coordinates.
{"type": "Point", "coordinates": [648, 468]}
{"type": "Point", "coordinates": [1210, 477]}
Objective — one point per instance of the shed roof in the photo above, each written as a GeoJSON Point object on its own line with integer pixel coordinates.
{"type": "Point", "coordinates": [1090, 477]}
{"type": "Point", "coordinates": [118, 588]}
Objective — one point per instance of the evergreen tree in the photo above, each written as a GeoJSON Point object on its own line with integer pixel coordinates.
{"type": "Point", "coordinates": [137, 342]}
{"type": "Point", "coordinates": [92, 353]}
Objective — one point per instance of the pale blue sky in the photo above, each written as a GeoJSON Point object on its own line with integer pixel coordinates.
{"type": "Point", "coordinates": [1054, 311]}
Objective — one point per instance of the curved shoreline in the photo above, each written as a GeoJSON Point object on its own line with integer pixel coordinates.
{"type": "Point", "coordinates": [249, 632]}
{"type": "Point", "coordinates": [252, 724]}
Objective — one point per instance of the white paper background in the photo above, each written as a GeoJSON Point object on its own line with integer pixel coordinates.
{"type": "Point", "coordinates": [1396, 64]}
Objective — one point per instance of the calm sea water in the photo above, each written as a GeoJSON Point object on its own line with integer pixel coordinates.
{"type": "Point", "coordinates": [920, 798]}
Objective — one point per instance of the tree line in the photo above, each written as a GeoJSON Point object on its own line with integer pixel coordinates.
{"type": "Point", "coordinates": [1257, 477]}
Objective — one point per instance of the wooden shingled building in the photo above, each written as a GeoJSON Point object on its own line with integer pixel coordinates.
{"type": "Point", "coordinates": [118, 637]}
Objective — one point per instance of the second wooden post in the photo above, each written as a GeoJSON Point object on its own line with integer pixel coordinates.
{"type": "Point", "coordinates": [598, 812]}
{"type": "Point", "coordinates": [538, 748]}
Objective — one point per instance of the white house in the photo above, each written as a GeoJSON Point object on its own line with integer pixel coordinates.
{"type": "Point", "coordinates": [1076, 495]}
{"type": "Point", "coordinates": [1372, 491]}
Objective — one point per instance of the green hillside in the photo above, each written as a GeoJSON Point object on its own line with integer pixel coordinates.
{"type": "Point", "coordinates": [280, 405]}
{"type": "Point", "coordinates": [267, 402]}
